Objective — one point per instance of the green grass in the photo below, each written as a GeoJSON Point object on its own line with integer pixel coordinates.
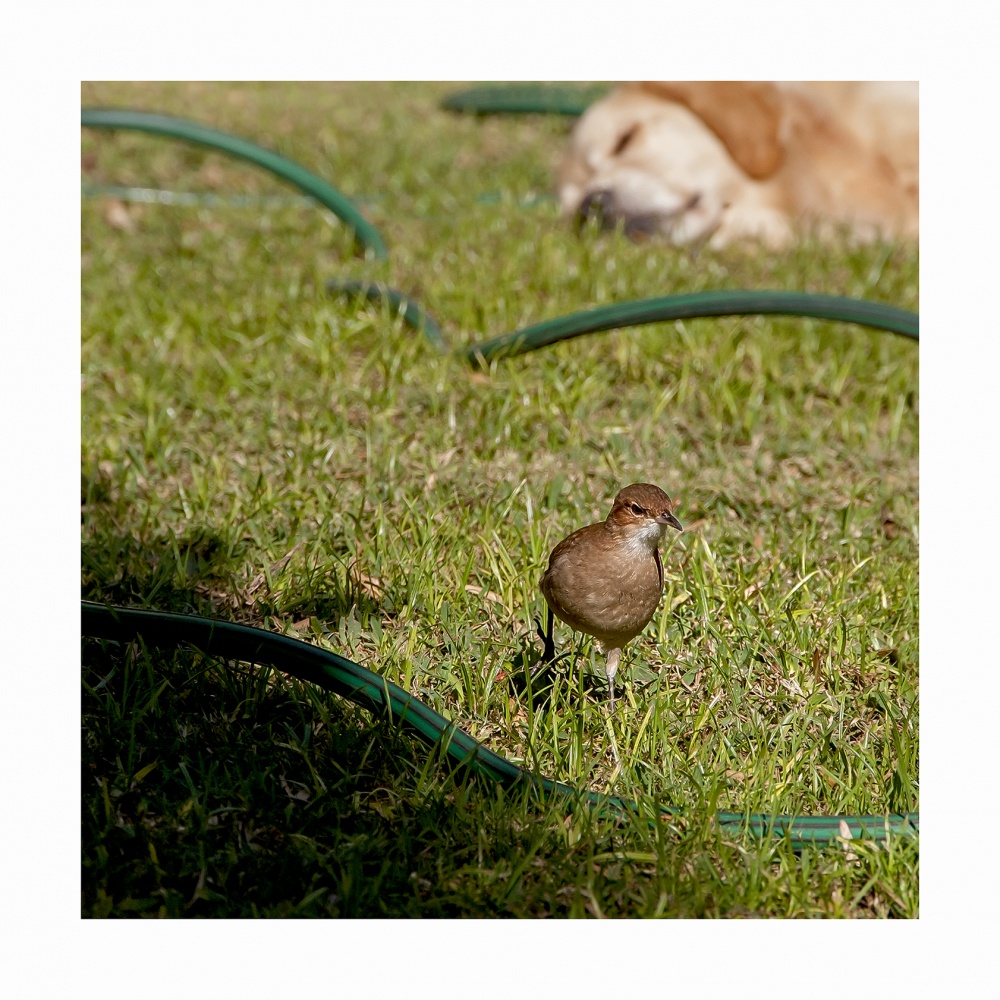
{"type": "Point", "coordinates": [256, 450]}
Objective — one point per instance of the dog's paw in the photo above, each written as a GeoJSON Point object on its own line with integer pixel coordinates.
{"type": "Point", "coordinates": [765, 225]}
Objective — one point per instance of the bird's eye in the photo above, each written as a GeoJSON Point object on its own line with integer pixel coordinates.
{"type": "Point", "coordinates": [635, 508]}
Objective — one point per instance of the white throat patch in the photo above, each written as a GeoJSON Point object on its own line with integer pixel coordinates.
{"type": "Point", "coordinates": [643, 540]}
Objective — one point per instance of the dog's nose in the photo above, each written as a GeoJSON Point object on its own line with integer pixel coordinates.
{"type": "Point", "coordinates": [598, 207]}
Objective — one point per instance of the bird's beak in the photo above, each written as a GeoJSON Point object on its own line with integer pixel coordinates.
{"type": "Point", "coordinates": [669, 519]}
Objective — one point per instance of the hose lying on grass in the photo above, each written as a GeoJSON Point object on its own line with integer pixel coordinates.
{"type": "Point", "coordinates": [699, 304]}
{"type": "Point", "coordinates": [288, 170]}
{"type": "Point", "coordinates": [412, 312]}
{"type": "Point", "coordinates": [336, 673]}
{"type": "Point", "coordinates": [637, 312]}
{"type": "Point", "coordinates": [525, 98]}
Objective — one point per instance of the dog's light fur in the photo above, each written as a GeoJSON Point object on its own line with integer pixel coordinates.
{"type": "Point", "coordinates": [732, 161]}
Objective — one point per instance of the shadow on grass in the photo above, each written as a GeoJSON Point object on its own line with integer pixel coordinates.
{"type": "Point", "coordinates": [218, 790]}
{"type": "Point", "coordinates": [202, 572]}
{"type": "Point", "coordinates": [530, 679]}
{"type": "Point", "coordinates": [212, 788]}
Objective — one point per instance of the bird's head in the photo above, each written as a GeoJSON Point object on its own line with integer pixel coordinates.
{"type": "Point", "coordinates": [641, 514]}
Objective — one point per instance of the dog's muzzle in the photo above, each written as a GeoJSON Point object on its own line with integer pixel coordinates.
{"type": "Point", "coordinates": [601, 208]}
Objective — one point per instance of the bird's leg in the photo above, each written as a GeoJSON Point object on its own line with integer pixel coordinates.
{"type": "Point", "coordinates": [611, 668]}
{"type": "Point", "coordinates": [549, 650]}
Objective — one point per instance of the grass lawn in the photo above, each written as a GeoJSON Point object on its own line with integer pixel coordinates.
{"type": "Point", "coordinates": [257, 450]}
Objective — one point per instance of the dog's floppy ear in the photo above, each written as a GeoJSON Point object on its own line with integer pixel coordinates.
{"type": "Point", "coordinates": [746, 117]}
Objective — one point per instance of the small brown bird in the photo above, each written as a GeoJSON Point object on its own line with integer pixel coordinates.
{"type": "Point", "coordinates": [606, 579]}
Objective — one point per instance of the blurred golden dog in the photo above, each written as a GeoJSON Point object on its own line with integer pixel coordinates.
{"type": "Point", "coordinates": [732, 161]}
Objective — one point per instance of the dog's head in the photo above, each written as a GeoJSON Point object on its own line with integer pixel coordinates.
{"type": "Point", "coordinates": [642, 160]}
{"type": "Point", "coordinates": [732, 160]}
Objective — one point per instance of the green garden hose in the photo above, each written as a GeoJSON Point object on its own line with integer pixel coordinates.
{"type": "Point", "coordinates": [412, 312]}
{"type": "Point", "coordinates": [288, 170]}
{"type": "Point", "coordinates": [336, 673]}
{"type": "Point", "coordinates": [698, 304]}
{"type": "Point", "coordinates": [636, 312]}
{"type": "Point", "coordinates": [525, 98]}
